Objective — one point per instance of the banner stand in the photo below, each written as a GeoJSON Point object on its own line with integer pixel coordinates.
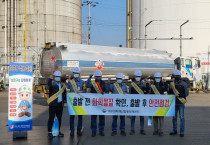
{"type": "Point", "coordinates": [20, 99]}
{"type": "Point", "coordinates": [20, 134]}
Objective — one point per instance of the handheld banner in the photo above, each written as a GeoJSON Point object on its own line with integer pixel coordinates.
{"type": "Point", "coordinates": [120, 104]}
{"type": "Point", "coordinates": [20, 96]}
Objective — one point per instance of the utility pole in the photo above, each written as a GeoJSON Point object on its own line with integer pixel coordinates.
{"type": "Point", "coordinates": [89, 23]}
{"type": "Point", "coordinates": [93, 4]}
{"type": "Point", "coordinates": [181, 36]}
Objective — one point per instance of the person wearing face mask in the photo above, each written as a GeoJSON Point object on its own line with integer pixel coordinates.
{"type": "Point", "coordinates": [138, 87]}
{"type": "Point", "coordinates": [179, 88]}
{"type": "Point", "coordinates": [76, 85]}
{"type": "Point", "coordinates": [118, 88]}
{"type": "Point", "coordinates": [97, 86]}
{"type": "Point", "coordinates": [158, 88]}
{"type": "Point", "coordinates": [57, 92]}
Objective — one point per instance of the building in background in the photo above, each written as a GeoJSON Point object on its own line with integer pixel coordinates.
{"type": "Point", "coordinates": [166, 17]}
{"type": "Point", "coordinates": [47, 21]}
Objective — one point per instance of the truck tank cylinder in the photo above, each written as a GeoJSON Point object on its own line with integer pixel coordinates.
{"type": "Point", "coordinates": [110, 60]}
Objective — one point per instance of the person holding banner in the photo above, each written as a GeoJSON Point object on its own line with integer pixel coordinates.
{"type": "Point", "coordinates": [138, 87]}
{"type": "Point", "coordinates": [118, 88]}
{"type": "Point", "coordinates": [180, 89]}
{"type": "Point", "coordinates": [158, 88]}
{"type": "Point", "coordinates": [100, 87]}
{"type": "Point", "coordinates": [76, 85]}
{"type": "Point", "coordinates": [55, 101]}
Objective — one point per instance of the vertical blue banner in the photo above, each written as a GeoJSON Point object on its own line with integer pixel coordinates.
{"type": "Point", "coordinates": [20, 96]}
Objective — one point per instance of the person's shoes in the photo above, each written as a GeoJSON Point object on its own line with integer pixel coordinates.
{"type": "Point", "coordinates": [50, 136]}
{"type": "Point", "coordinates": [173, 133]}
{"type": "Point", "coordinates": [28, 114]}
{"type": "Point", "coordinates": [181, 134]}
{"type": "Point", "coordinates": [132, 132]}
{"type": "Point", "coordinates": [79, 133]}
{"type": "Point", "coordinates": [61, 134]}
{"type": "Point", "coordinates": [155, 133]}
{"type": "Point", "coordinates": [142, 132]}
{"type": "Point", "coordinates": [123, 133]}
{"type": "Point", "coordinates": [72, 133]}
{"type": "Point", "coordinates": [21, 114]}
{"type": "Point", "coordinates": [101, 134]}
{"type": "Point", "coordinates": [93, 134]}
{"type": "Point", "coordinates": [161, 134]}
{"type": "Point", "coordinates": [114, 133]}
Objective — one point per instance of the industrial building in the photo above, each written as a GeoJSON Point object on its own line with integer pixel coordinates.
{"type": "Point", "coordinates": [179, 27]}
{"type": "Point", "coordinates": [46, 21]}
{"type": "Point", "coordinates": [164, 18]}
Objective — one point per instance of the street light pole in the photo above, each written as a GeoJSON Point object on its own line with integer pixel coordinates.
{"type": "Point", "coordinates": [89, 22]}
{"type": "Point", "coordinates": [145, 34]}
{"type": "Point", "coordinates": [181, 36]}
{"type": "Point", "coordinates": [93, 4]}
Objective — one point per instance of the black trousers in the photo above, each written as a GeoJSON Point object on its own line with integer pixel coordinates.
{"type": "Point", "coordinates": [55, 110]}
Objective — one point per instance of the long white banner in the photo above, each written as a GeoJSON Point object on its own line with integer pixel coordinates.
{"type": "Point", "coordinates": [119, 104]}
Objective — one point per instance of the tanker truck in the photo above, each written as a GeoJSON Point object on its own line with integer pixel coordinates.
{"type": "Point", "coordinates": [110, 60]}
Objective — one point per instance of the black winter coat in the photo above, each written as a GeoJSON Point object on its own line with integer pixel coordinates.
{"type": "Point", "coordinates": [54, 88]}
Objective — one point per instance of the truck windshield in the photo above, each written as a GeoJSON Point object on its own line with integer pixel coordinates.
{"type": "Point", "coordinates": [188, 63]}
{"type": "Point", "coordinates": [182, 61]}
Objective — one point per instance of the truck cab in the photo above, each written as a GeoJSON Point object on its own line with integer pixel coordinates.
{"type": "Point", "coordinates": [187, 65]}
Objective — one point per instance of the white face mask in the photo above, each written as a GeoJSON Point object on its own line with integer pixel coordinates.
{"type": "Point", "coordinates": [76, 75]}
{"type": "Point", "coordinates": [119, 81]}
{"type": "Point", "coordinates": [57, 79]}
{"type": "Point", "coordinates": [157, 80]}
{"type": "Point", "coordinates": [138, 79]}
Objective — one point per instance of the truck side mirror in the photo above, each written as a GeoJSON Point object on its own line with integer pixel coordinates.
{"type": "Point", "coordinates": [177, 62]}
{"type": "Point", "coordinates": [199, 63]}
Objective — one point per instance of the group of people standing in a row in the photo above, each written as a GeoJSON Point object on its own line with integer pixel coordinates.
{"type": "Point", "coordinates": [56, 95]}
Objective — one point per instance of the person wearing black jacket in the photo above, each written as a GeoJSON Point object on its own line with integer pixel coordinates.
{"type": "Point", "coordinates": [145, 88]}
{"type": "Point", "coordinates": [97, 86]}
{"type": "Point", "coordinates": [161, 88]}
{"type": "Point", "coordinates": [56, 104]}
{"type": "Point", "coordinates": [183, 92]}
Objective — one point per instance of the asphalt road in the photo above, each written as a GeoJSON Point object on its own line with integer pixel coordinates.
{"type": "Point", "coordinates": [197, 115]}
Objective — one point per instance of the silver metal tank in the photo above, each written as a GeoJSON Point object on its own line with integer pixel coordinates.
{"type": "Point", "coordinates": [47, 21]}
{"type": "Point", "coordinates": [110, 60]}
{"type": "Point", "coordinates": [136, 22]}
{"type": "Point", "coordinates": [167, 17]}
